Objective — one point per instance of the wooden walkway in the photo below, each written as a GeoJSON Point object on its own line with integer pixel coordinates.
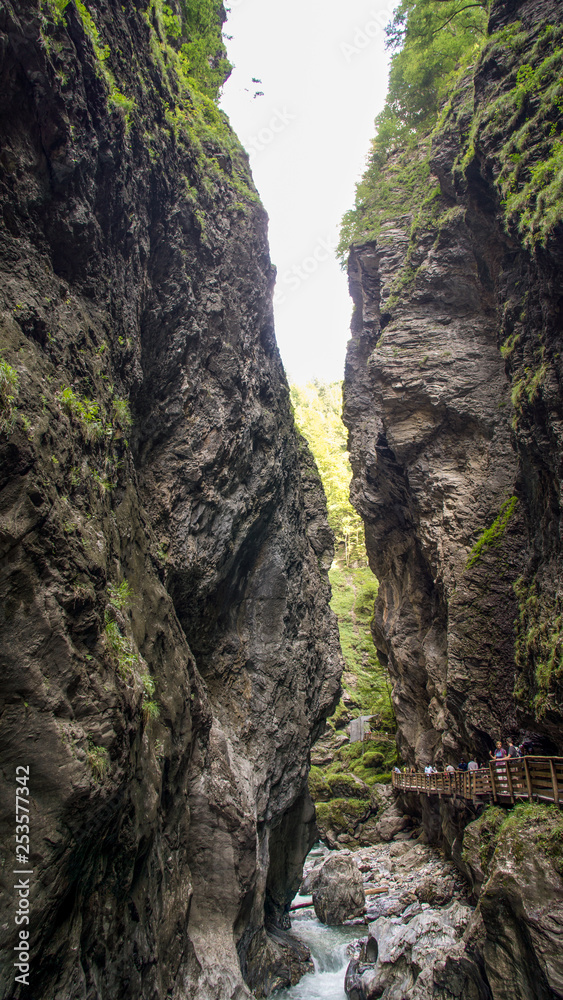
{"type": "Point", "coordinates": [535, 779]}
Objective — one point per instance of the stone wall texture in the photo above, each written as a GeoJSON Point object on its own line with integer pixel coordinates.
{"type": "Point", "coordinates": [453, 404]}
{"type": "Point", "coordinates": [166, 646]}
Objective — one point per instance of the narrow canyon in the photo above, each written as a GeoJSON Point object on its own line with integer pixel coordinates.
{"type": "Point", "coordinates": [168, 653]}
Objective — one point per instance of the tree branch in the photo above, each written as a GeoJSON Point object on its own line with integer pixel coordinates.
{"type": "Point", "coordinates": [460, 11]}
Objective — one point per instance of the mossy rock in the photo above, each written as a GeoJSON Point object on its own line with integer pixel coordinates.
{"type": "Point", "coordinates": [374, 759]}
{"type": "Point", "coordinates": [318, 787]}
{"type": "Point", "coordinates": [346, 786]}
{"type": "Point", "coordinates": [341, 815]}
{"type": "Point", "coordinates": [351, 752]}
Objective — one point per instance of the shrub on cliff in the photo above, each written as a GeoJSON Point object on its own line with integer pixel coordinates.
{"type": "Point", "coordinates": [432, 42]}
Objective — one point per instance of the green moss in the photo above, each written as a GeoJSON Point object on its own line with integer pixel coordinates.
{"type": "Point", "coordinates": [538, 647]}
{"type": "Point", "coordinates": [524, 122]}
{"type": "Point", "coordinates": [492, 537]}
{"type": "Point", "coordinates": [318, 787]}
{"type": "Point", "coordinates": [9, 389]}
{"type": "Point", "coordinates": [341, 815]}
{"type": "Point", "coordinates": [372, 759]}
{"type": "Point", "coordinates": [524, 826]}
{"type": "Point", "coordinates": [487, 828]}
{"type": "Point", "coordinates": [388, 192]}
{"type": "Point", "coordinates": [354, 591]}
{"type": "Point", "coordinates": [343, 786]}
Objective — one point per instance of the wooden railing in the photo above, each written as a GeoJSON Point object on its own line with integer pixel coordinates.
{"type": "Point", "coordinates": [503, 781]}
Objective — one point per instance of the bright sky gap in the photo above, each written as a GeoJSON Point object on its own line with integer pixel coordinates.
{"type": "Point", "coordinates": [307, 124]}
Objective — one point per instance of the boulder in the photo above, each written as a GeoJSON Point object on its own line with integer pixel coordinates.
{"type": "Point", "coordinates": [435, 891]}
{"type": "Point", "coordinates": [338, 892]}
{"type": "Point", "coordinates": [391, 822]}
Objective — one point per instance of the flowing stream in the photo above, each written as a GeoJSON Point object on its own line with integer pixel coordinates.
{"type": "Point", "coordinates": [328, 947]}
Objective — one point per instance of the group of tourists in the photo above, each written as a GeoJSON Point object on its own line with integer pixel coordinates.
{"type": "Point", "coordinates": [498, 754]}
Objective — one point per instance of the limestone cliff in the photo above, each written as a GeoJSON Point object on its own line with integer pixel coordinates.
{"type": "Point", "coordinates": [167, 650]}
{"type": "Point", "coordinates": [453, 403]}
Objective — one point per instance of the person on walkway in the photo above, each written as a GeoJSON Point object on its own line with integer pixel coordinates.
{"type": "Point", "coordinates": [429, 769]}
{"type": "Point", "coordinates": [462, 766]}
{"type": "Point", "coordinates": [512, 750]}
{"type": "Point", "coordinates": [450, 768]}
{"type": "Point", "coordinates": [472, 765]}
{"type": "Point", "coordinates": [499, 753]}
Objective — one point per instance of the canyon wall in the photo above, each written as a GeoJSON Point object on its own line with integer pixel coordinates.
{"type": "Point", "coordinates": [168, 654]}
{"type": "Point", "coordinates": [453, 404]}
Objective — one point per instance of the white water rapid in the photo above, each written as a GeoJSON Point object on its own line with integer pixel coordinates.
{"type": "Point", "coordinates": [328, 947]}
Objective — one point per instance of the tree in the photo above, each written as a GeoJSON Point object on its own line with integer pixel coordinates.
{"type": "Point", "coordinates": [317, 408]}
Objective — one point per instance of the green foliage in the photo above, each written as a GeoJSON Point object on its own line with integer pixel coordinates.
{"type": "Point", "coordinates": [150, 708]}
{"type": "Point", "coordinates": [353, 596]}
{"type": "Point", "coordinates": [151, 711]}
{"type": "Point", "coordinates": [525, 123]}
{"type": "Point", "coordinates": [538, 651]}
{"type": "Point", "coordinates": [86, 412]}
{"type": "Point", "coordinates": [119, 102]}
{"type": "Point", "coordinates": [430, 39]}
{"type": "Point", "coordinates": [434, 43]}
{"type": "Point", "coordinates": [94, 423]}
{"type": "Point", "coordinates": [149, 685]}
{"type": "Point", "coordinates": [55, 8]}
{"type": "Point", "coordinates": [492, 537]}
{"type": "Point", "coordinates": [121, 414]}
{"type": "Point", "coordinates": [317, 408]}
{"type": "Point", "coordinates": [98, 759]}
{"type": "Point", "coordinates": [190, 36]}
{"type": "Point", "coordinates": [9, 389]}
{"type": "Point", "coordinates": [120, 648]}
{"type": "Point", "coordinates": [121, 597]}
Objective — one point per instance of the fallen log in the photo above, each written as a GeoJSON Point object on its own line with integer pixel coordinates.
{"type": "Point", "coordinates": [376, 892]}
{"type": "Point", "coordinates": [299, 906]}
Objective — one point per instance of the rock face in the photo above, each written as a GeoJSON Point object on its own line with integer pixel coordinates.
{"type": "Point", "coordinates": [167, 651]}
{"type": "Point", "coordinates": [453, 403]}
{"type": "Point", "coordinates": [516, 865]}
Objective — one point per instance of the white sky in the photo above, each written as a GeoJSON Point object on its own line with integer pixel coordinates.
{"type": "Point", "coordinates": [323, 69]}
